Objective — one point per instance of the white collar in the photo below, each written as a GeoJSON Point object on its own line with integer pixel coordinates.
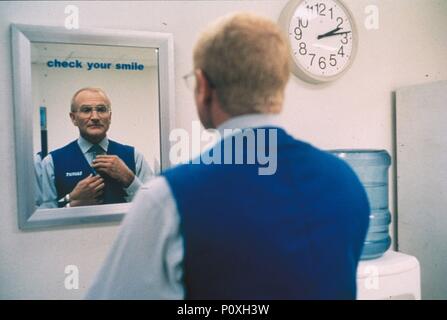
{"type": "Point", "coordinates": [85, 145]}
{"type": "Point", "coordinates": [254, 120]}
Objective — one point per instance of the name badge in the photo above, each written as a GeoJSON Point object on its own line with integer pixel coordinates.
{"type": "Point", "coordinates": [73, 174]}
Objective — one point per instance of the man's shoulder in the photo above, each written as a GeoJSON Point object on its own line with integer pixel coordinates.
{"type": "Point", "coordinates": [182, 169]}
{"type": "Point", "coordinates": [65, 148]}
{"type": "Point", "coordinates": [297, 149]}
{"type": "Point", "coordinates": [124, 151]}
{"type": "Point", "coordinates": [47, 161]}
{"type": "Point", "coordinates": [329, 164]}
{"type": "Point", "coordinates": [316, 155]}
{"type": "Point", "coordinates": [157, 189]}
{"type": "Point", "coordinates": [118, 144]}
{"type": "Point", "coordinates": [314, 160]}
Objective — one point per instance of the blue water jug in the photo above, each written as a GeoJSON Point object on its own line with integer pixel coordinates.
{"type": "Point", "coordinates": [371, 166]}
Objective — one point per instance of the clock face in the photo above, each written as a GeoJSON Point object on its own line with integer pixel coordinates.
{"type": "Point", "coordinates": [323, 38]}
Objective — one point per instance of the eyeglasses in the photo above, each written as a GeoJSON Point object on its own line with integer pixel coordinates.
{"type": "Point", "coordinates": [190, 80]}
{"type": "Point", "coordinates": [101, 110]}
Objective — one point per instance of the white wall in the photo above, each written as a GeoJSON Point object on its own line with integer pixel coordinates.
{"type": "Point", "coordinates": [354, 112]}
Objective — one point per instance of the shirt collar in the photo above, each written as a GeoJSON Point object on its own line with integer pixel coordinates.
{"type": "Point", "coordinates": [85, 145]}
{"type": "Point", "coordinates": [249, 121]}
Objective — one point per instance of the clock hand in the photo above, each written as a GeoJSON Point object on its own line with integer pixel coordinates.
{"type": "Point", "coordinates": [332, 34]}
{"type": "Point", "coordinates": [322, 46]}
{"type": "Point", "coordinates": [327, 34]}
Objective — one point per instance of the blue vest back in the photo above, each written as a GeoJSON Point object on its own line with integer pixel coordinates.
{"type": "Point", "coordinates": [70, 167]}
{"type": "Point", "coordinates": [296, 234]}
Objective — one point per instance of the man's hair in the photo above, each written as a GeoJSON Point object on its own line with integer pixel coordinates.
{"type": "Point", "coordinates": [245, 57]}
{"type": "Point", "coordinates": [98, 90]}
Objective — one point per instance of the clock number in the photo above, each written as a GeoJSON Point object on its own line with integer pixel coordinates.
{"type": "Point", "coordinates": [332, 13]}
{"type": "Point", "coordinates": [311, 10]}
{"type": "Point", "coordinates": [341, 52]}
{"type": "Point", "coordinates": [303, 49]}
{"type": "Point", "coordinates": [321, 11]}
{"type": "Point", "coordinates": [344, 40]}
{"type": "Point", "coordinates": [322, 62]}
{"type": "Point", "coordinates": [313, 56]}
{"type": "Point", "coordinates": [298, 33]}
{"type": "Point", "coordinates": [303, 23]}
{"type": "Point", "coordinates": [332, 60]}
{"type": "Point", "coordinates": [340, 21]}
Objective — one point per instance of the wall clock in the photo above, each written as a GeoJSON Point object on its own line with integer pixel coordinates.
{"type": "Point", "coordinates": [323, 38]}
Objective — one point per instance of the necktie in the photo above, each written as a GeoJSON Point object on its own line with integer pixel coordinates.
{"type": "Point", "coordinates": [96, 150]}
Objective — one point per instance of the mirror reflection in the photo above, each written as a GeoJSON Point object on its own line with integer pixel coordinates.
{"type": "Point", "coordinates": [96, 122]}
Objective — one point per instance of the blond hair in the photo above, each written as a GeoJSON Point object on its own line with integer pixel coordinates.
{"type": "Point", "coordinates": [245, 57]}
{"type": "Point", "coordinates": [91, 89]}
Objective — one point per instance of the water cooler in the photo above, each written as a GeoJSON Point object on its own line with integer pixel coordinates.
{"type": "Point", "coordinates": [382, 273]}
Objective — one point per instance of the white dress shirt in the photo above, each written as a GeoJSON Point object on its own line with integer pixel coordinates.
{"type": "Point", "coordinates": [38, 179]}
{"type": "Point", "coordinates": [146, 259]}
{"type": "Point", "coordinates": [48, 187]}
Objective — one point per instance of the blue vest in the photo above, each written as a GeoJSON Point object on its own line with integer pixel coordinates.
{"type": "Point", "coordinates": [70, 167]}
{"type": "Point", "coordinates": [296, 234]}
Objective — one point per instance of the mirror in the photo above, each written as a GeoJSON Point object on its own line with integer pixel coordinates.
{"type": "Point", "coordinates": [125, 112]}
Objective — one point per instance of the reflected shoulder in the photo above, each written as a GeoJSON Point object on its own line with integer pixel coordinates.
{"type": "Point", "coordinates": [48, 160]}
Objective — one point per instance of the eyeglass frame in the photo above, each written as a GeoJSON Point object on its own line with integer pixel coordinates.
{"type": "Point", "coordinates": [94, 108]}
{"type": "Point", "coordinates": [192, 73]}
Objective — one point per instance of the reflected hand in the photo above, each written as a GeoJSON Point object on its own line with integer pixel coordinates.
{"type": "Point", "coordinates": [87, 191]}
{"type": "Point", "coordinates": [114, 167]}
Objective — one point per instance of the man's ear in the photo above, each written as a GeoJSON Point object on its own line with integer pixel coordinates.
{"type": "Point", "coordinates": [73, 119]}
{"type": "Point", "coordinates": [203, 88]}
{"type": "Point", "coordinates": [203, 95]}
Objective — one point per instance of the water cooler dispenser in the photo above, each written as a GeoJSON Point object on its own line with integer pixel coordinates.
{"type": "Point", "coordinates": [382, 273]}
{"type": "Point", "coordinates": [371, 166]}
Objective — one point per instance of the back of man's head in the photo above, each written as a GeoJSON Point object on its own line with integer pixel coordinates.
{"type": "Point", "coordinates": [245, 57]}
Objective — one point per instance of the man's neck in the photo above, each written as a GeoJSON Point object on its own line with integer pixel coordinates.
{"type": "Point", "coordinates": [219, 116]}
{"type": "Point", "coordinates": [250, 121]}
{"type": "Point", "coordinates": [93, 140]}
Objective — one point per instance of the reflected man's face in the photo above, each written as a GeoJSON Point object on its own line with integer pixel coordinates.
{"type": "Point", "coordinates": [92, 115]}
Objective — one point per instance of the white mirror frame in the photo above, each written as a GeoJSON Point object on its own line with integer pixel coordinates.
{"type": "Point", "coordinates": [22, 37]}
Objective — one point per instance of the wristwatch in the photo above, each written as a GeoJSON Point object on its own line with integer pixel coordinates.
{"type": "Point", "coordinates": [64, 202]}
